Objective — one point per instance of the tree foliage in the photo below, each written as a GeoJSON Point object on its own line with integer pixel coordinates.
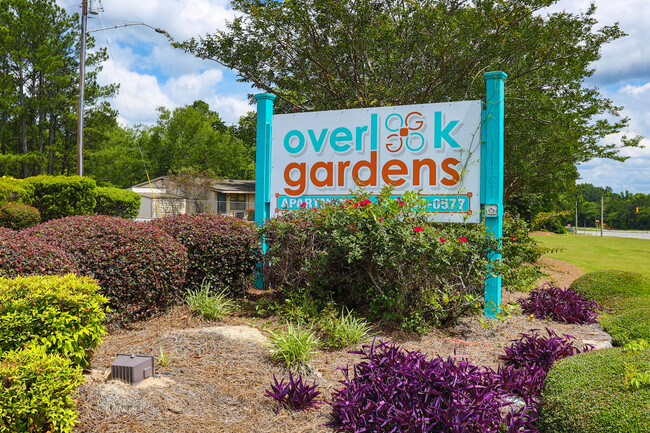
{"type": "Point", "coordinates": [623, 210]}
{"type": "Point", "coordinates": [39, 78]}
{"type": "Point", "coordinates": [191, 138]}
{"type": "Point", "coordinates": [324, 54]}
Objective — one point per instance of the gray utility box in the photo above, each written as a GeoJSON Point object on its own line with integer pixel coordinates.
{"type": "Point", "coordinates": [132, 368]}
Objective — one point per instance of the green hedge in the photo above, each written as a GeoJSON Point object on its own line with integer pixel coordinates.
{"type": "Point", "coordinates": [587, 393]}
{"type": "Point", "coordinates": [117, 202]}
{"type": "Point", "coordinates": [61, 196]}
{"type": "Point", "coordinates": [36, 395]}
{"type": "Point", "coordinates": [18, 216]}
{"type": "Point", "coordinates": [606, 287]}
{"type": "Point", "coordinates": [61, 313]}
{"type": "Point", "coordinates": [15, 190]}
{"type": "Point", "coordinates": [625, 297]}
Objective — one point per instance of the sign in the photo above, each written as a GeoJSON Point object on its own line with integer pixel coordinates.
{"type": "Point", "coordinates": [431, 148]}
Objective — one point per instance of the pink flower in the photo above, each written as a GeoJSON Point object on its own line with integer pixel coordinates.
{"type": "Point", "coordinates": [512, 239]}
{"type": "Point", "coordinates": [442, 239]}
{"type": "Point", "coordinates": [463, 239]}
{"type": "Point", "coordinates": [380, 219]}
{"type": "Point", "coordinates": [303, 204]}
{"type": "Point", "coordinates": [356, 204]}
{"type": "Point", "coordinates": [364, 202]}
{"type": "Point", "coordinates": [417, 229]}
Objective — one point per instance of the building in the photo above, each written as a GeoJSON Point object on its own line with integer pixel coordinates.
{"type": "Point", "coordinates": [220, 196]}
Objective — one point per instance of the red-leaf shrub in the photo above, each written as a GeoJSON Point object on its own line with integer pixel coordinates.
{"type": "Point", "coordinates": [18, 216]}
{"type": "Point", "coordinates": [139, 268]}
{"type": "Point", "coordinates": [400, 391]}
{"type": "Point", "coordinates": [222, 250]}
{"type": "Point", "coordinates": [562, 305]}
{"type": "Point", "coordinates": [22, 255]}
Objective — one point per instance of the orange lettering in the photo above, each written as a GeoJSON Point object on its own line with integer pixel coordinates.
{"type": "Point", "coordinates": [446, 167]}
{"type": "Point", "coordinates": [400, 169]}
{"type": "Point", "coordinates": [342, 166]}
{"type": "Point", "coordinates": [371, 165]}
{"type": "Point", "coordinates": [417, 169]}
{"type": "Point", "coordinates": [329, 169]}
{"type": "Point", "coordinates": [299, 183]}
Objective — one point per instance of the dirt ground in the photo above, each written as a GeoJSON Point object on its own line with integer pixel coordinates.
{"type": "Point", "coordinates": [217, 384]}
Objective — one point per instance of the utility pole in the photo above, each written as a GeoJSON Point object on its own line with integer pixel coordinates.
{"type": "Point", "coordinates": [602, 217]}
{"type": "Point", "coordinates": [82, 84]}
{"type": "Point", "coordinates": [576, 228]}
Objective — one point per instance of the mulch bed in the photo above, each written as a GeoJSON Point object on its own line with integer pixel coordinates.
{"type": "Point", "coordinates": [214, 384]}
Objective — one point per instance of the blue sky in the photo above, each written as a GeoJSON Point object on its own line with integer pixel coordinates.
{"type": "Point", "coordinates": [151, 73]}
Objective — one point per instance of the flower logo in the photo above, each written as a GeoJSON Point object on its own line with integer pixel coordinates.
{"type": "Point", "coordinates": [404, 132]}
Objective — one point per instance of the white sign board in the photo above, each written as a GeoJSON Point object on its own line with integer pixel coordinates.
{"type": "Point", "coordinates": [430, 148]}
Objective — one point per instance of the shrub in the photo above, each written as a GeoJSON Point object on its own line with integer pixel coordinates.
{"type": "Point", "coordinates": [552, 221]}
{"type": "Point", "coordinates": [628, 320]}
{"type": "Point", "coordinates": [222, 250]}
{"type": "Point", "coordinates": [36, 395]}
{"type": "Point", "coordinates": [62, 196]}
{"type": "Point", "coordinates": [625, 297]}
{"type": "Point", "coordinates": [400, 391]}
{"type": "Point", "coordinates": [15, 190]}
{"type": "Point", "coordinates": [587, 393]}
{"type": "Point", "coordinates": [139, 268]}
{"type": "Point", "coordinates": [562, 305]}
{"type": "Point", "coordinates": [207, 304]}
{"type": "Point", "coordinates": [520, 255]}
{"type": "Point", "coordinates": [295, 346]}
{"type": "Point", "coordinates": [382, 258]}
{"type": "Point", "coordinates": [61, 313]}
{"type": "Point", "coordinates": [18, 216]}
{"type": "Point", "coordinates": [117, 202]}
{"type": "Point", "coordinates": [22, 255]}
{"type": "Point", "coordinates": [294, 395]}
{"type": "Point", "coordinates": [606, 287]}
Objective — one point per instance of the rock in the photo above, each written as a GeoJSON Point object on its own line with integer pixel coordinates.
{"type": "Point", "coordinates": [598, 344]}
{"type": "Point", "coordinates": [237, 333]}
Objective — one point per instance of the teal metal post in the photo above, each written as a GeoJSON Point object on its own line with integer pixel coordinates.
{"type": "Point", "coordinates": [492, 176]}
{"type": "Point", "coordinates": [263, 166]}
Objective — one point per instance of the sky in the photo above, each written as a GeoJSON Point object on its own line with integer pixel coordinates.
{"type": "Point", "coordinates": [151, 73]}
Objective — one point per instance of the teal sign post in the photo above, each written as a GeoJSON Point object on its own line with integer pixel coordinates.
{"type": "Point", "coordinates": [492, 176]}
{"type": "Point", "coordinates": [329, 170]}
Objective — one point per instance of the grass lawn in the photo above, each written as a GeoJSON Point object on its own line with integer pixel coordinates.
{"type": "Point", "coordinates": [595, 253]}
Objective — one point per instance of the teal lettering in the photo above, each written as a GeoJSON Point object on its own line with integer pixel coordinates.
{"type": "Point", "coordinates": [340, 135]}
{"type": "Point", "coordinates": [374, 131]}
{"type": "Point", "coordinates": [360, 133]}
{"type": "Point", "coordinates": [439, 133]}
{"type": "Point", "coordinates": [287, 141]}
{"type": "Point", "coordinates": [317, 143]}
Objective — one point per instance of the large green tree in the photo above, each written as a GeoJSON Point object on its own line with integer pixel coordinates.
{"type": "Point", "coordinates": [188, 139]}
{"type": "Point", "coordinates": [326, 54]}
{"type": "Point", "coordinates": [39, 66]}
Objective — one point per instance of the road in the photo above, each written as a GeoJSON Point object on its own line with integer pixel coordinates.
{"type": "Point", "coordinates": [617, 233]}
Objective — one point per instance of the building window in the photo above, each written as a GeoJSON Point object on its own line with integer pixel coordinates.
{"type": "Point", "coordinates": [237, 201]}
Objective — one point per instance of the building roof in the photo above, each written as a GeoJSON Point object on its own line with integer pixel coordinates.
{"type": "Point", "coordinates": [226, 186]}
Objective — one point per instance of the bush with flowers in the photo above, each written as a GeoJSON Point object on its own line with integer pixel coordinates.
{"type": "Point", "coordinates": [381, 256]}
{"type": "Point", "coordinates": [520, 255]}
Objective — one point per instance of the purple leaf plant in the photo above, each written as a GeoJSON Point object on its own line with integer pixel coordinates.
{"type": "Point", "coordinates": [561, 305]}
{"type": "Point", "coordinates": [395, 390]}
{"type": "Point", "coordinates": [295, 395]}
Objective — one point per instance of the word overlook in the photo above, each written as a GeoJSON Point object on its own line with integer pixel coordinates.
{"type": "Point", "coordinates": [433, 148]}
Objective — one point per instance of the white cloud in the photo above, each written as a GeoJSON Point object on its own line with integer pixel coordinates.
{"type": "Point", "coordinates": [628, 57]}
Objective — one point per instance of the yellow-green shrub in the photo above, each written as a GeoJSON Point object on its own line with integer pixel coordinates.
{"type": "Point", "coordinates": [36, 393]}
{"type": "Point", "coordinates": [61, 313]}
